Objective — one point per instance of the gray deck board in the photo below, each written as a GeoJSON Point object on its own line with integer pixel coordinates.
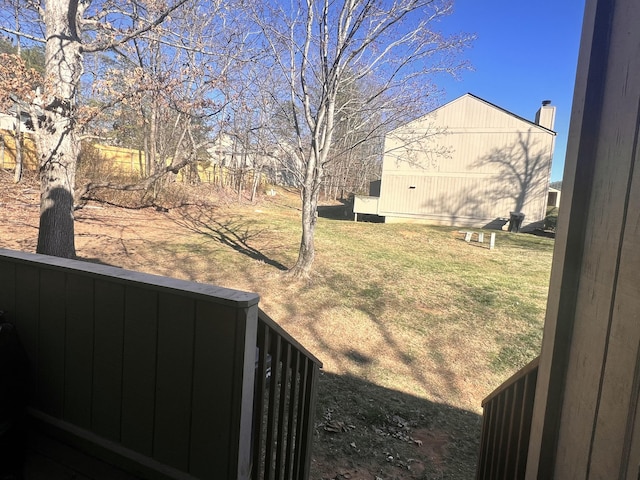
{"type": "Point", "coordinates": [50, 459]}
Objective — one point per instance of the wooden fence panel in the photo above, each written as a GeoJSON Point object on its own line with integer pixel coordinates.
{"type": "Point", "coordinates": [108, 347]}
{"type": "Point", "coordinates": [8, 289]}
{"type": "Point", "coordinates": [78, 378]}
{"type": "Point", "coordinates": [139, 369]}
{"type": "Point", "coordinates": [51, 342]}
{"type": "Point", "coordinates": [213, 377]}
{"type": "Point", "coordinates": [25, 315]}
{"type": "Point", "coordinates": [173, 388]}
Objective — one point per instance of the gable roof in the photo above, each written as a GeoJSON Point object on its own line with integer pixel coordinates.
{"type": "Point", "coordinates": [508, 112]}
{"type": "Point", "coordinates": [485, 102]}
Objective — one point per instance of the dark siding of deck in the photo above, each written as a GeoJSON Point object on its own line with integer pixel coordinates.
{"type": "Point", "coordinates": [154, 365]}
{"type": "Point", "coordinates": [78, 351]}
{"type": "Point", "coordinates": [173, 389]}
{"type": "Point", "coordinates": [107, 359]}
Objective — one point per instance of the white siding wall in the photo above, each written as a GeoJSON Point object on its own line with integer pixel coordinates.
{"type": "Point", "coordinates": [480, 164]}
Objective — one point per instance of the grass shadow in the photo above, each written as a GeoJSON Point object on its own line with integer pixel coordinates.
{"type": "Point", "coordinates": [233, 233]}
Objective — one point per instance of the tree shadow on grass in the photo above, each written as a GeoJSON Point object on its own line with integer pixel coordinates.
{"type": "Point", "coordinates": [364, 430]}
{"type": "Point", "coordinates": [367, 431]}
{"type": "Point", "coordinates": [233, 233]}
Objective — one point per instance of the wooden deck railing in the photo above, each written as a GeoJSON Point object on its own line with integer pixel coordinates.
{"type": "Point", "coordinates": [161, 377]}
{"type": "Point", "coordinates": [506, 425]}
{"type": "Point", "coordinates": [286, 383]}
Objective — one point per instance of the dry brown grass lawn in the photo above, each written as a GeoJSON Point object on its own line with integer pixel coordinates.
{"type": "Point", "coordinates": [414, 325]}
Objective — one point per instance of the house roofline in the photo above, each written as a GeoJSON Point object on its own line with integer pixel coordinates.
{"type": "Point", "coordinates": [552, 132]}
{"type": "Point", "coordinates": [508, 112]}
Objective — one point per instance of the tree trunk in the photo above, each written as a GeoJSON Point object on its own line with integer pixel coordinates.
{"type": "Point", "coordinates": [57, 143]}
{"type": "Point", "coordinates": [257, 176]}
{"type": "Point", "coordinates": [17, 173]}
{"type": "Point", "coordinates": [153, 137]}
{"type": "Point", "coordinates": [307, 252]}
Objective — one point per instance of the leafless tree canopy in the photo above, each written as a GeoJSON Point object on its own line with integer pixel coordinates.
{"type": "Point", "coordinates": [302, 90]}
{"type": "Point", "coordinates": [353, 69]}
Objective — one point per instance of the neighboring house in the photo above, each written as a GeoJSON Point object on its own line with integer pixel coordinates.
{"type": "Point", "coordinates": [467, 163]}
{"type": "Point", "coordinates": [554, 197]}
{"type": "Point", "coordinates": [276, 164]}
{"type": "Point", "coordinates": [8, 122]}
{"type": "Point", "coordinates": [8, 135]}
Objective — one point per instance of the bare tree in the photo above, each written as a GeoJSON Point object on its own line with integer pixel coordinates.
{"type": "Point", "coordinates": [73, 28]}
{"type": "Point", "coordinates": [18, 84]}
{"type": "Point", "coordinates": [356, 153]}
{"type": "Point", "coordinates": [162, 98]}
{"type": "Point", "coordinates": [324, 47]}
{"type": "Point", "coordinates": [20, 75]}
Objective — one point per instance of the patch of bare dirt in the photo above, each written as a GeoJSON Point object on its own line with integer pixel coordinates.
{"type": "Point", "coordinates": [104, 232]}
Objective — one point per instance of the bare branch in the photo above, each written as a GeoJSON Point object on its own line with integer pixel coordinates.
{"type": "Point", "coordinates": [103, 46]}
{"type": "Point", "coordinates": [11, 31]}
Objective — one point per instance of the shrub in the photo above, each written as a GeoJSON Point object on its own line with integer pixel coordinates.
{"type": "Point", "coordinates": [551, 219]}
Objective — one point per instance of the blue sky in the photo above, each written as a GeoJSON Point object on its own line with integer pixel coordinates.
{"type": "Point", "coordinates": [526, 52]}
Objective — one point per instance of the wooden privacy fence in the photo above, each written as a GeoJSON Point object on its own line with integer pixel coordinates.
{"type": "Point", "coordinates": [8, 151]}
{"type": "Point", "coordinates": [158, 375]}
{"type": "Point", "coordinates": [506, 425]}
{"type": "Point", "coordinates": [105, 161]}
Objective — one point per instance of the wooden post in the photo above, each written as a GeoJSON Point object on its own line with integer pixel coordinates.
{"type": "Point", "coordinates": [586, 420]}
{"type": "Point", "coordinates": [480, 237]}
{"type": "Point", "coordinates": [492, 241]}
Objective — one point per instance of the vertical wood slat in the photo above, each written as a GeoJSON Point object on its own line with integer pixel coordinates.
{"type": "Point", "coordinates": [26, 315]}
{"type": "Point", "coordinates": [298, 467]}
{"type": "Point", "coordinates": [244, 372]}
{"type": "Point", "coordinates": [497, 428]}
{"type": "Point", "coordinates": [259, 404]}
{"type": "Point", "coordinates": [626, 309]}
{"type": "Point", "coordinates": [8, 290]}
{"type": "Point", "coordinates": [504, 439]}
{"type": "Point", "coordinates": [173, 387]}
{"type": "Point", "coordinates": [619, 383]}
{"type": "Point", "coordinates": [498, 424]}
{"type": "Point", "coordinates": [494, 407]}
{"type": "Point", "coordinates": [516, 428]}
{"type": "Point", "coordinates": [212, 391]}
{"type": "Point", "coordinates": [484, 451]}
{"type": "Point", "coordinates": [79, 351]}
{"type": "Point", "coordinates": [505, 431]}
{"type": "Point", "coordinates": [272, 418]}
{"type": "Point", "coordinates": [511, 430]}
{"type": "Point", "coordinates": [308, 413]}
{"type": "Point", "coordinates": [51, 343]}
{"type": "Point", "coordinates": [139, 369]}
{"type": "Point", "coordinates": [506, 426]}
{"type": "Point", "coordinates": [582, 412]}
{"type": "Point", "coordinates": [106, 417]}
{"type": "Point", "coordinates": [491, 422]}
{"type": "Point", "coordinates": [529, 394]}
{"type": "Point", "coordinates": [283, 419]}
{"type": "Point", "coordinates": [294, 416]}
